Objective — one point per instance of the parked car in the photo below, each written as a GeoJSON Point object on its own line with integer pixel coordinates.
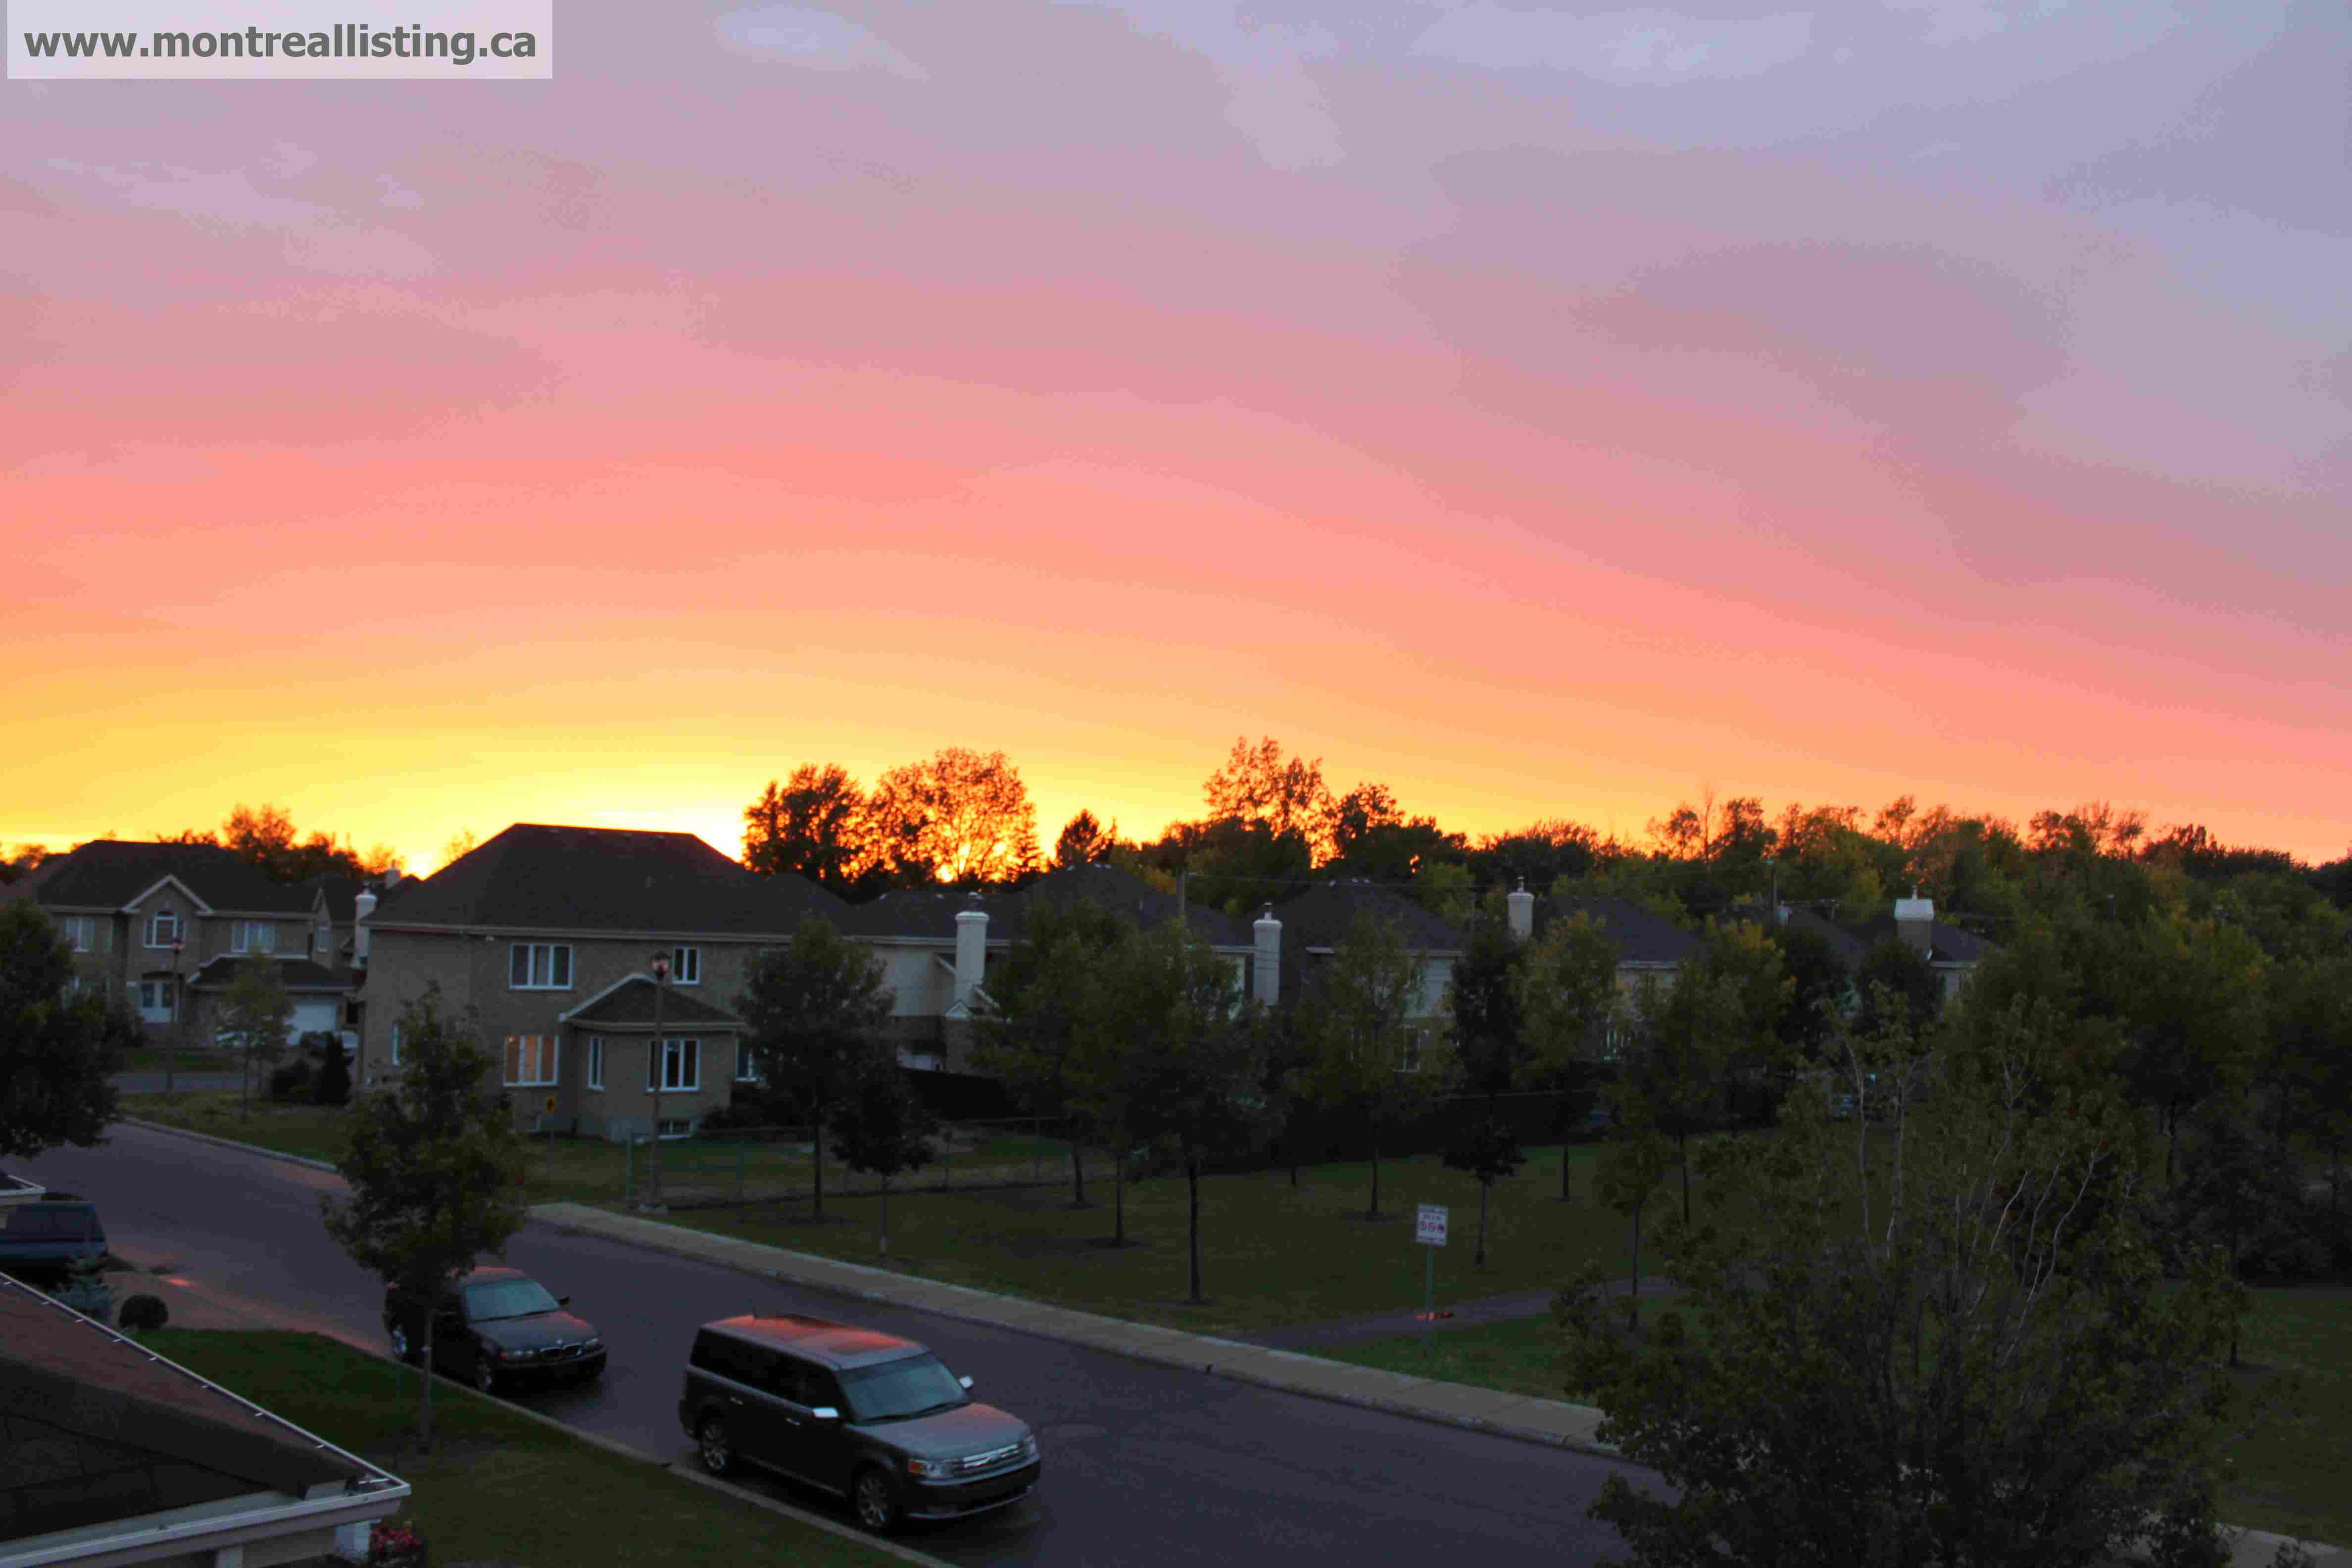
{"type": "Point", "coordinates": [500, 1325]}
{"type": "Point", "coordinates": [865, 1415]}
{"type": "Point", "coordinates": [46, 1237]}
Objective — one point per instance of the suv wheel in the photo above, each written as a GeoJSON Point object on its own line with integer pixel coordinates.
{"type": "Point", "coordinates": [875, 1501]}
{"type": "Point", "coordinates": [718, 1453]}
{"type": "Point", "coordinates": [486, 1372]}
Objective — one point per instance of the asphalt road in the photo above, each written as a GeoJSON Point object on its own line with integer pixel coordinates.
{"type": "Point", "coordinates": [1144, 1464]}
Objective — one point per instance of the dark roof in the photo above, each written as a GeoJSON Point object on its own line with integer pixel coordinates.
{"type": "Point", "coordinates": [294, 974]}
{"type": "Point", "coordinates": [98, 1430]}
{"type": "Point", "coordinates": [1947, 944]}
{"type": "Point", "coordinates": [343, 896]}
{"type": "Point", "coordinates": [820, 1339]}
{"type": "Point", "coordinates": [534, 877]}
{"type": "Point", "coordinates": [1323, 915]}
{"type": "Point", "coordinates": [632, 1002]}
{"type": "Point", "coordinates": [109, 873]}
{"type": "Point", "coordinates": [1640, 936]}
{"type": "Point", "coordinates": [929, 913]}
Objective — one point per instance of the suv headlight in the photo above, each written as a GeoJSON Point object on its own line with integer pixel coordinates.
{"type": "Point", "coordinates": [593, 1343]}
{"type": "Point", "coordinates": [1029, 1446]}
{"type": "Point", "coordinates": [935, 1469]}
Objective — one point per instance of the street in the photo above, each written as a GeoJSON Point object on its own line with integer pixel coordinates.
{"type": "Point", "coordinates": [1144, 1464]}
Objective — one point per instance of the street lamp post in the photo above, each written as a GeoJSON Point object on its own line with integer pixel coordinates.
{"type": "Point", "coordinates": [1773, 861]}
{"type": "Point", "coordinates": [660, 1060]}
{"type": "Point", "coordinates": [179, 1023]}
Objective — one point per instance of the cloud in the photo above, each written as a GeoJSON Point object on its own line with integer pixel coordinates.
{"type": "Point", "coordinates": [1647, 47]}
{"type": "Point", "coordinates": [812, 40]}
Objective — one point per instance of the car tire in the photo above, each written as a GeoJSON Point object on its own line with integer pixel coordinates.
{"type": "Point", "coordinates": [875, 1501]}
{"type": "Point", "coordinates": [714, 1447]}
{"type": "Point", "coordinates": [402, 1347]}
{"type": "Point", "coordinates": [485, 1372]}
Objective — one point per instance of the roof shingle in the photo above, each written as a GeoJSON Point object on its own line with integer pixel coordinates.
{"type": "Point", "coordinates": [107, 873]}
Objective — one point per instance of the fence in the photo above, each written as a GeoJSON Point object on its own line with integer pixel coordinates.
{"type": "Point", "coordinates": [769, 1165]}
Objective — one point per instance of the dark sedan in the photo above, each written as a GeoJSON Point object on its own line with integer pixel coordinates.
{"type": "Point", "coordinates": [499, 1326]}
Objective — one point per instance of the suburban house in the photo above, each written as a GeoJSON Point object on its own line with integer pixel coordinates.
{"type": "Point", "coordinates": [550, 934]}
{"type": "Point", "coordinates": [1952, 953]}
{"type": "Point", "coordinates": [938, 948]}
{"type": "Point", "coordinates": [1297, 939]}
{"type": "Point", "coordinates": [1649, 945]}
{"type": "Point", "coordinates": [110, 1453]}
{"type": "Point", "coordinates": [162, 927]}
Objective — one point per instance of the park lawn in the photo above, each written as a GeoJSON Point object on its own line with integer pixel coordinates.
{"type": "Point", "coordinates": [1272, 1254]}
{"type": "Point", "coordinates": [498, 1486]}
{"type": "Point", "coordinates": [2291, 1465]}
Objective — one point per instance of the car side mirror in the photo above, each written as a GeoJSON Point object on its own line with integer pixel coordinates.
{"type": "Point", "coordinates": [825, 1413]}
{"type": "Point", "coordinates": [563, 1300]}
{"type": "Point", "coordinates": [965, 1381]}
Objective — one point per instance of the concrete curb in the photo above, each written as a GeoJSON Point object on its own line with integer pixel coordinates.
{"type": "Point", "coordinates": [141, 1121]}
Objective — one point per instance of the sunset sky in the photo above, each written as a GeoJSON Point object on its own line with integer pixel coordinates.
{"type": "Point", "coordinates": [1545, 411]}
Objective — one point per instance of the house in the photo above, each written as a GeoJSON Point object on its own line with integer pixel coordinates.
{"type": "Point", "coordinates": [1649, 946]}
{"type": "Point", "coordinates": [550, 934]}
{"type": "Point", "coordinates": [161, 927]}
{"type": "Point", "coordinates": [110, 1453]}
{"type": "Point", "coordinates": [1951, 954]}
{"type": "Point", "coordinates": [1296, 939]}
{"type": "Point", "coordinates": [938, 948]}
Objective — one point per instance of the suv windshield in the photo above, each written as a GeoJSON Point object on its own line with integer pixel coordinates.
{"type": "Point", "coordinates": [507, 1298]}
{"type": "Point", "coordinates": [911, 1385]}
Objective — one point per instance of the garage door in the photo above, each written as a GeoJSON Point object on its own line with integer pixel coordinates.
{"type": "Point", "coordinates": [309, 1015]}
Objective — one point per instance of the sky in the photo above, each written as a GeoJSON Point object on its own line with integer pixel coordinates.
{"type": "Point", "coordinates": [1544, 411]}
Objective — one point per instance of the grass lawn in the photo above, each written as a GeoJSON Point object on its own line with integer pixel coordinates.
{"type": "Point", "coordinates": [498, 1487]}
{"type": "Point", "coordinates": [151, 1058]}
{"type": "Point", "coordinates": [312, 1130]}
{"type": "Point", "coordinates": [2291, 1468]}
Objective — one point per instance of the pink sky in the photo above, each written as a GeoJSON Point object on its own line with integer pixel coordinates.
{"type": "Point", "coordinates": [1547, 414]}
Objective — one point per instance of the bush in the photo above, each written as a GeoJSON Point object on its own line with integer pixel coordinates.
{"type": "Point", "coordinates": [86, 1293]}
{"type": "Point", "coordinates": [330, 1079]}
{"type": "Point", "coordinates": [292, 1081]}
{"type": "Point", "coordinates": [142, 1313]}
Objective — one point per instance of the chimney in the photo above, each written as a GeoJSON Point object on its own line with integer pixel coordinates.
{"type": "Point", "coordinates": [971, 950]}
{"type": "Point", "coordinates": [1266, 970]}
{"type": "Point", "coordinates": [361, 907]}
{"type": "Point", "coordinates": [1521, 905]}
{"type": "Point", "coordinates": [1914, 918]}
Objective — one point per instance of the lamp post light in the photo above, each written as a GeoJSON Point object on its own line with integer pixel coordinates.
{"type": "Point", "coordinates": [179, 1023]}
{"type": "Point", "coordinates": [659, 1058]}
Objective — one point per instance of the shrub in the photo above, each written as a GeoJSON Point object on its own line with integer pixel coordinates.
{"type": "Point", "coordinates": [86, 1293]}
{"type": "Point", "coordinates": [331, 1079]}
{"type": "Point", "coordinates": [291, 1081]}
{"type": "Point", "coordinates": [142, 1313]}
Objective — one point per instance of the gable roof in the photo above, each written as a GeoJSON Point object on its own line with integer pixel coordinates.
{"type": "Point", "coordinates": [929, 913]}
{"type": "Point", "coordinates": [110, 874]}
{"type": "Point", "coordinates": [629, 1002]}
{"type": "Point", "coordinates": [341, 893]}
{"type": "Point", "coordinates": [1640, 936]}
{"type": "Point", "coordinates": [536, 877]}
{"type": "Point", "coordinates": [1323, 915]}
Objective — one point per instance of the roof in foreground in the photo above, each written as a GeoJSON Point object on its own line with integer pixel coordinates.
{"type": "Point", "coordinates": [538, 876]}
{"type": "Point", "coordinates": [1642, 936]}
{"type": "Point", "coordinates": [107, 873]}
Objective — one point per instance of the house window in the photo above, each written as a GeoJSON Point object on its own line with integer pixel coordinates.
{"type": "Point", "coordinates": [163, 928]}
{"type": "Point", "coordinates": [530, 1061]}
{"type": "Point", "coordinates": [80, 932]}
{"type": "Point", "coordinates": [685, 966]}
{"type": "Point", "coordinates": [681, 1065]}
{"type": "Point", "coordinates": [676, 1127]}
{"type": "Point", "coordinates": [395, 1045]}
{"type": "Point", "coordinates": [253, 936]}
{"type": "Point", "coordinates": [155, 1002]}
{"type": "Point", "coordinates": [595, 1062]}
{"type": "Point", "coordinates": [73, 985]}
{"type": "Point", "coordinates": [747, 1063]}
{"type": "Point", "coordinates": [539, 967]}
{"type": "Point", "coordinates": [1409, 1052]}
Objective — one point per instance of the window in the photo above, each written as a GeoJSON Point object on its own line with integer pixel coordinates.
{"type": "Point", "coordinates": [395, 1045]}
{"type": "Point", "coordinates": [680, 1064]}
{"type": "Point", "coordinates": [73, 985]}
{"type": "Point", "coordinates": [539, 967]}
{"type": "Point", "coordinates": [155, 999]}
{"type": "Point", "coordinates": [685, 966]}
{"type": "Point", "coordinates": [1409, 1052]}
{"type": "Point", "coordinates": [530, 1061]}
{"type": "Point", "coordinates": [595, 1062]}
{"type": "Point", "coordinates": [163, 928]}
{"type": "Point", "coordinates": [253, 936]}
{"type": "Point", "coordinates": [80, 932]}
{"type": "Point", "coordinates": [676, 1127]}
{"type": "Point", "coordinates": [747, 1063]}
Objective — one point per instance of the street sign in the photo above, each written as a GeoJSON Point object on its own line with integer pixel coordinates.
{"type": "Point", "coordinates": [550, 1105]}
{"type": "Point", "coordinates": [1429, 1229]}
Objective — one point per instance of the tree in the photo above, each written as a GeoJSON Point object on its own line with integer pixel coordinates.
{"type": "Point", "coordinates": [814, 826]}
{"type": "Point", "coordinates": [2193, 1015]}
{"type": "Point", "coordinates": [1817, 988]}
{"type": "Point", "coordinates": [461, 844]}
{"type": "Point", "coordinates": [1567, 1000]}
{"type": "Point", "coordinates": [1029, 1036]}
{"type": "Point", "coordinates": [332, 1084]}
{"type": "Point", "coordinates": [253, 1020]}
{"type": "Point", "coordinates": [1487, 1156]}
{"type": "Point", "coordinates": [266, 836]}
{"type": "Point", "coordinates": [1894, 974]}
{"type": "Point", "coordinates": [56, 1051]}
{"type": "Point", "coordinates": [1634, 1165]}
{"type": "Point", "coordinates": [1084, 841]}
{"type": "Point", "coordinates": [1491, 1050]}
{"type": "Point", "coordinates": [815, 1010]}
{"type": "Point", "coordinates": [1370, 1055]}
{"type": "Point", "coordinates": [432, 1167]}
{"type": "Point", "coordinates": [1286, 797]}
{"type": "Point", "coordinates": [884, 1128]}
{"type": "Point", "coordinates": [1948, 1350]}
{"type": "Point", "coordinates": [1676, 1060]}
{"type": "Point", "coordinates": [960, 818]}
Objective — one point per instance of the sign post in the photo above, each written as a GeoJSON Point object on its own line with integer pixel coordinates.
{"type": "Point", "coordinates": [1429, 1229]}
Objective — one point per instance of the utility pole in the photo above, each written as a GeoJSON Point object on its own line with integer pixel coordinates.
{"type": "Point", "coordinates": [179, 1023]}
{"type": "Point", "coordinates": [659, 1058]}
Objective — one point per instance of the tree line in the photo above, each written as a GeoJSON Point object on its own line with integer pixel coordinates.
{"type": "Point", "coordinates": [264, 836]}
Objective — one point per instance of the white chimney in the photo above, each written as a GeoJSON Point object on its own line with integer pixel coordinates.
{"type": "Point", "coordinates": [1265, 971]}
{"type": "Point", "coordinates": [971, 950]}
{"type": "Point", "coordinates": [1914, 920]}
{"type": "Point", "coordinates": [361, 907]}
{"type": "Point", "coordinates": [1520, 906]}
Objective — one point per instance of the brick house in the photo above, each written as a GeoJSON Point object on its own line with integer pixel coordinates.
{"type": "Point", "coordinates": [547, 933]}
{"type": "Point", "coordinates": [157, 929]}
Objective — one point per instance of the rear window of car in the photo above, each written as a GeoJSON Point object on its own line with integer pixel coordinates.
{"type": "Point", "coordinates": [53, 1222]}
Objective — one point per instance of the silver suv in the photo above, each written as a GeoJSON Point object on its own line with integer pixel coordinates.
{"type": "Point", "coordinates": [865, 1415]}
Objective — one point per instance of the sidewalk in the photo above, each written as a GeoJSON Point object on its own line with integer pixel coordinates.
{"type": "Point", "coordinates": [1553, 1423]}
